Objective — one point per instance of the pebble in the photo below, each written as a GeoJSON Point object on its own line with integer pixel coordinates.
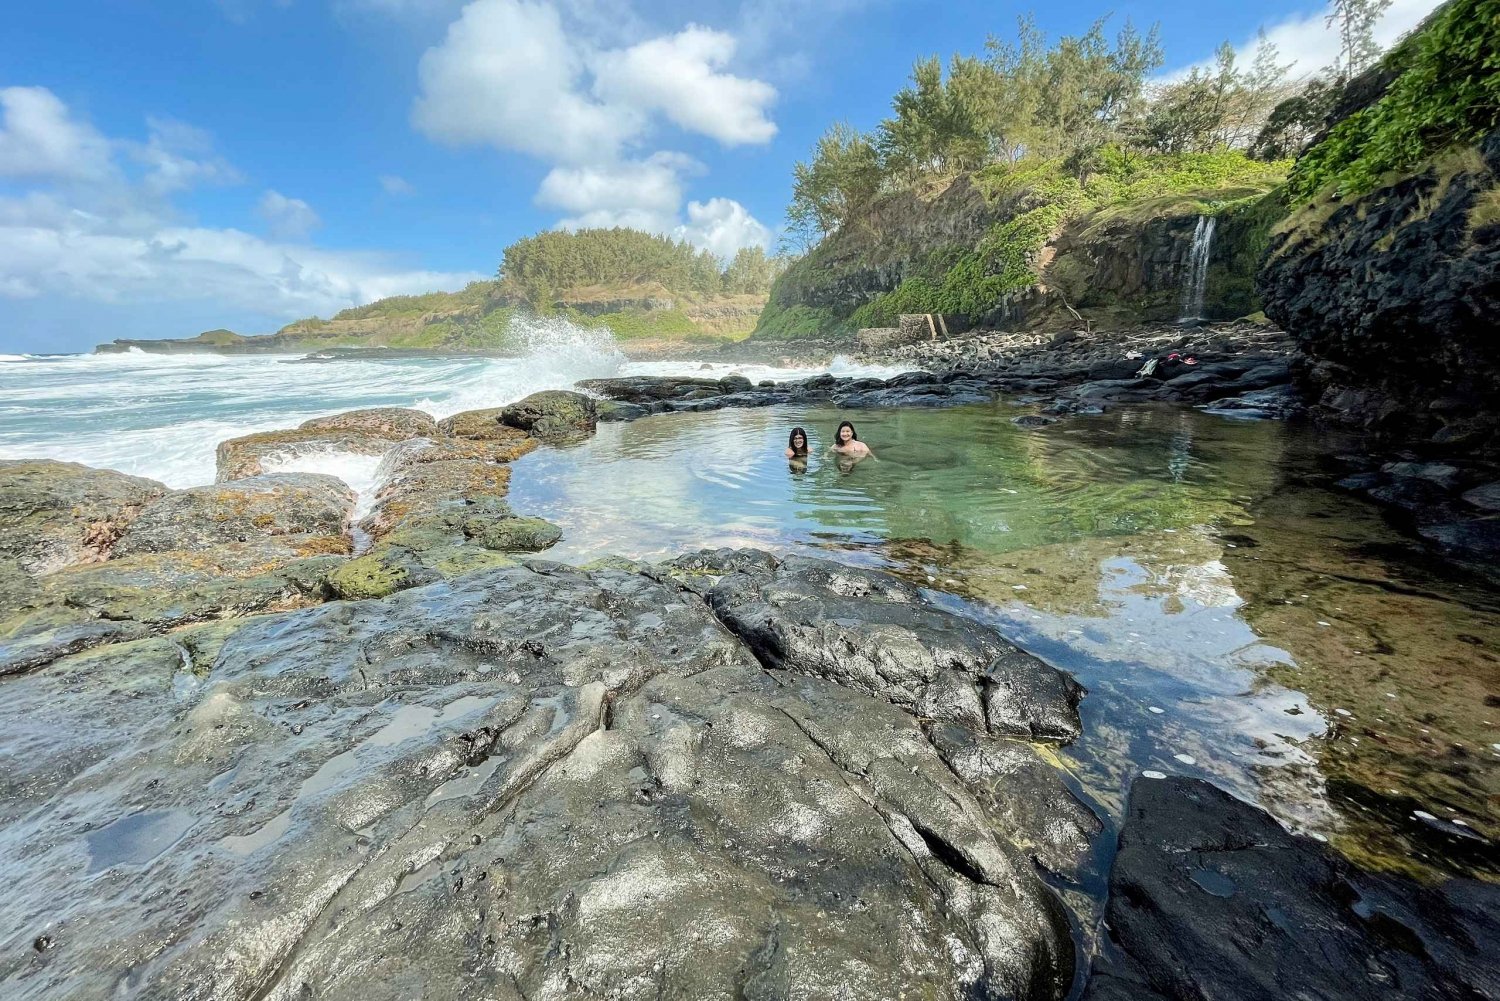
{"type": "Point", "coordinates": [1322, 623]}
{"type": "Point", "coordinates": [1422, 815]}
{"type": "Point", "coordinates": [1150, 774]}
{"type": "Point", "coordinates": [1343, 712]}
{"type": "Point", "coordinates": [1186, 759]}
{"type": "Point", "coordinates": [1157, 709]}
{"type": "Point", "coordinates": [1018, 587]}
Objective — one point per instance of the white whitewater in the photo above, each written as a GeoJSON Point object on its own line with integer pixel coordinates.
{"type": "Point", "coordinates": [1195, 274]}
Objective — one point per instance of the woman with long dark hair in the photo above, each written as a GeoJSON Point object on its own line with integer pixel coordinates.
{"type": "Point", "coordinates": [796, 444]}
{"type": "Point", "coordinates": [846, 441]}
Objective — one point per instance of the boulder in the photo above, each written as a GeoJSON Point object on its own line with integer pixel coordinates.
{"type": "Point", "coordinates": [485, 425]}
{"type": "Point", "coordinates": [521, 783]}
{"type": "Point", "coordinates": [554, 415]}
{"type": "Point", "coordinates": [57, 514]}
{"type": "Point", "coordinates": [872, 632]}
{"type": "Point", "coordinates": [307, 506]}
{"type": "Point", "coordinates": [1211, 898]}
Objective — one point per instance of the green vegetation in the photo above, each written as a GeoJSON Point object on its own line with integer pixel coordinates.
{"type": "Point", "coordinates": [540, 267]}
{"type": "Point", "coordinates": [1068, 133]}
{"type": "Point", "coordinates": [1446, 93]}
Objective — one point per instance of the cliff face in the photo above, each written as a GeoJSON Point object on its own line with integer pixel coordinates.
{"type": "Point", "coordinates": [1394, 297]}
{"type": "Point", "coordinates": [1013, 247]}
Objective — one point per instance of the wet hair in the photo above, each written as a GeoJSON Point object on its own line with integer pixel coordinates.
{"type": "Point", "coordinates": [791, 441]}
{"type": "Point", "coordinates": [838, 435]}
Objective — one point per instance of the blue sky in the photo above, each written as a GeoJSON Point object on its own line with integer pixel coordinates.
{"type": "Point", "coordinates": [170, 167]}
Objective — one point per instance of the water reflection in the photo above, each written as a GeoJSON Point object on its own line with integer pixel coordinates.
{"type": "Point", "coordinates": [1232, 617]}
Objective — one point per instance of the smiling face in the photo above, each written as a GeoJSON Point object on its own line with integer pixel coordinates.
{"type": "Point", "coordinates": [846, 435]}
{"type": "Point", "coordinates": [798, 441]}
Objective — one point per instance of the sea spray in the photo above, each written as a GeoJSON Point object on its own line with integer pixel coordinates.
{"type": "Point", "coordinates": [556, 354]}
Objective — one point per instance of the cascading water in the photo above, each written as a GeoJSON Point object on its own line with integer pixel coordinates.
{"type": "Point", "coordinates": [1195, 275]}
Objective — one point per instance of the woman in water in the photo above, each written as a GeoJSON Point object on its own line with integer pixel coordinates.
{"type": "Point", "coordinates": [796, 444]}
{"type": "Point", "coordinates": [846, 442]}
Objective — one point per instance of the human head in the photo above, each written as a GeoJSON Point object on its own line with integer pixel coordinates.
{"type": "Point", "coordinates": [797, 441]}
{"type": "Point", "coordinates": [839, 434]}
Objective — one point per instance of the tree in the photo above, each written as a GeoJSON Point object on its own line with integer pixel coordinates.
{"type": "Point", "coordinates": [844, 172]}
{"type": "Point", "coordinates": [1294, 122]}
{"type": "Point", "coordinates": [1355, 21]}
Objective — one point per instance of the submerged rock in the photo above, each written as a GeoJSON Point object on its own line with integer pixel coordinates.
{"type": "Point", "coordinates": [1210, 898]}
{"type": "Point", "coordinates": [554, 415]}
{"type": "Point", "coordinates": [522, 783]}
{"type": "Point", "coordinates": [57, 514]}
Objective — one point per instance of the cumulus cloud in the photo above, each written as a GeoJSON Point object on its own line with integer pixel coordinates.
{"type": "Point", "coordinates": [532, 76]}
{"type": "Point", "coordinates": [287, 218]}
{"type": "Point", "coordinates": [681, 76]}
{"type": "Point", "coordinates": [1309, 44]}
{"type": "Point", "coordinates": [723, 226]}
{"type": "Point", "coordinates": [392, 184]}
{"type": "Point", "coordinates": [40, 139]}
{"type": "Point", "coordinates": [507, 74]}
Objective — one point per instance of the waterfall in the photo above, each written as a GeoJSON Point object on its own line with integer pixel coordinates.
{"type": "Point", "coordinates": [1195, 275]}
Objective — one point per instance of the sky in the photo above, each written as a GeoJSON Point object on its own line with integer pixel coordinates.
{"type": "Point", "coordinates": [183, 165]}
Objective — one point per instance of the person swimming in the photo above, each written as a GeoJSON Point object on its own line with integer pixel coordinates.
{"type": "Point", "coordinates": [846, 442]}
{"type": "Point", "coordinates": [796, 444]}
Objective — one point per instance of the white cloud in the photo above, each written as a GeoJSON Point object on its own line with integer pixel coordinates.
{"type": "Point", "coordinates": [179, 156]}
{"type": "Point", "coordinates": [287, 218]}
{"type": "Point", "coordinates": [392, 184]}
{"type": "Point", "coordinates": [533, 76]}
{"type": "Point", "coordinates": [1308, 44]}
{"type": "Point", "coordinates": [722, 226]}
{"type": "Point", "coordinates": [644, 194]}
{"type": "Point", "coordinates": [40, 139]}
{"type": "Point", "coordinates": [94, 236]}
{"type": "Point", "coordinates": [508, 75]}
{"type": "Point", "coordinates": [680, 76]}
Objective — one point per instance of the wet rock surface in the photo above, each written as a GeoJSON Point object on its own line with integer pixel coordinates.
{"type": "Point", "coordinates": [1211, 898]}
{"type": "Point", "coordinates": [56, 514]}
{"type": "Point", "coordinates": [556, 416]}
{"type": "Point", "coordinates": [531, 781]}
{"type": "Point", "coordinates": [297, 507]}
{"type": "Point", "coordinates": [394, 423]}
{"type": "Point", "coordinates": [872, 632]}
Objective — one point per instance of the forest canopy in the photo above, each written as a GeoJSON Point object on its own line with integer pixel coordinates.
{"type": "Point", "coordinates": [539, 268]}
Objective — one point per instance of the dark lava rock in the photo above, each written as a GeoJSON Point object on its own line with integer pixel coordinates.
{"type": "Point", "coordinates": [553, 415]}
{"type": "Point", "coordinates": [1486, 497]}
{"type": "Point", "coordinates": [1394, 293]}
{"type": "Point", "coordinates": [613, 411]}
{"type": "Point", "coordinates": [1210, 898]}
{"type": "Point", "coordinates": [523, 783]}
{"type": "Point", "coordinates": [56, 514]}
{"type": "Point", "coordinates": [306, 505]}
{"type": "Point", "coordinates": [873, 632]}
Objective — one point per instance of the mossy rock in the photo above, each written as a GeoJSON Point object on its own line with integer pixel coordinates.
{"type": "Point", "coordinates": [554, 415]}
{"type": "Point", "coordinates": [373, 575]}
{"type": "Point", "coordinates": [514, 535]}
{"type": "Point", "coordinates": [392, 567]}
{"type": "Point", "coordinates": [394, 423]}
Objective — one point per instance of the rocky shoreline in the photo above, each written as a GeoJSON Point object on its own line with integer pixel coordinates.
{"type": "Point", "coordinates": [264, 748]}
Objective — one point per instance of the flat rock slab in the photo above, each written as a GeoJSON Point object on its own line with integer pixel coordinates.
{"type": "Point", "coordinates": [528, 782]}
{"type": "Point", "coordinates": [395, 423]}
{"type": "Point", "coordinates": [56, 514]}
{"type": "Point", "coordinates": [309, 505]}
{"type": "Point", "coordinates": [1210, 898]}
{"type": "Point", "coordinates": [873, 632]}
